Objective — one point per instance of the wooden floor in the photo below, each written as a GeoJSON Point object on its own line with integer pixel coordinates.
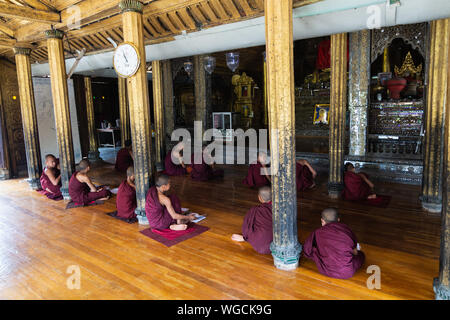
{"type": "Point", "coordinates": [39, 240]}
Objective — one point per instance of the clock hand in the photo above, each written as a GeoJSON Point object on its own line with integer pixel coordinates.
{"type": "Point", "coordinates": [125, 57]}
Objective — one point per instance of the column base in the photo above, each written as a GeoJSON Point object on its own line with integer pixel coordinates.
{"type": "Point", "coordinates": [431, 205]}
{"type": "Point", "coordinates": [65, 193]}
{"type": "Point", "coordinates": [286, 257]}
{"type": "Point", "coordinates": [35, 184]}
{"type": "Point", "coordinates": [441, 292]}
{"type": "Point", "coordinates": [142, 218]}
{"type": "Point", "coordinates": [94, 156]}
{"type": "Point", "coordinates": [335, 189]}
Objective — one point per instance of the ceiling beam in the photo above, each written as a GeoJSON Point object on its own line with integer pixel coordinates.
{"type": "Point", "coordinates": [6, 31]}
{"type": "Point", "coordinates": [7, 43]}
{"type": "Point", "coordinates": [29, 14]}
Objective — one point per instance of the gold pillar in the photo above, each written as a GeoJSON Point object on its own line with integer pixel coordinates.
{"type": "Point", "coordinates": [266, 112]}
{"type": "Point", "coordinates": [138, 100]}
{"type": "Point", "coordinates": [93, 154]}
{"type": "Point", "coordinates": [280, 75]}
{"type": "Point", "coordinates": [29, 120]}
{"type": "Point", "coordinates": [158, 112]}
{"type": "Point", "coordinates": [124, 112]}
{"type": "Point", "coordinates": [202, 86]}
{"type": "Point", "coordinates": [440, 40]}
{"type": "Point", "coordinates": [169, 112]}
{"type": "Point", "coordinates": [58, 77]}
{"type": "Point", "coordinates": [435, 112]}
{"type": "Point", "coordinates": [338, 102]}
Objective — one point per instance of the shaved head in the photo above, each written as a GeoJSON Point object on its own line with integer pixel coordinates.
{"type": "Point", "coordinates": [265, 193]}
{"type": "Point", "coordinates": [348, 166]}
{"type": "Point", "coordinates": [130, 171]}
{"type": "Point", "coordinates": [49, 156]}
{"type": "Point", "coordinates": [330, 215]}
{"type": "Point", "coordinates": [162, 180]}
{"type": "Point", "coordinates": [84, 164]}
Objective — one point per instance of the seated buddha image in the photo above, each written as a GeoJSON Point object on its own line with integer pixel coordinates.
{"type": "Point", "coordinates": [321, 117]}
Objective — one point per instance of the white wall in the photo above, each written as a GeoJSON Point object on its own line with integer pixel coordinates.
{"type": "Point", "coordinates": [46, 118]}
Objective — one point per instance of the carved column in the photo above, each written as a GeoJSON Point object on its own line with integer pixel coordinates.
{"type": "Point", "coordinates": [280, 74]}
{"type": "Point", "coordinates": [139, 105]}
{"type": "Point", "coordinates": [266, 111]}
{"type": "Point", "coordinates": [58, 77]}
{"type": "Point", "coordinates": [359, 78]}
{"type": "Point", "coordinates": [435, 101]}
{"type": "Point", "coordinates": [93, 154]}
{"type": "Point", "coordinates": [124, 112]}
{"type": "Point", "coordinates": [202, 84]}
{"type": "Point", "coordinates": [158, 112]}
{"type": "Point", "coordinates": [169, 111]}
{"type": "Point", "coordinates": [338, 104]}
{"type": "Point", "coordinates": [440, 38]}
{"type": "Point", "coordinates": [29, 120]}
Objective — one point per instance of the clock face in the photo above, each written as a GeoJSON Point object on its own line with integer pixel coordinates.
{"type": "Point", "coordinates": [126, 60]}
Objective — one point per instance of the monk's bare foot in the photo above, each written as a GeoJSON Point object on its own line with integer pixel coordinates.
{"type": "Point", "coordinates": [372, 196]}
{"type": "Point", "coordinates": [237, 237]}
{"type": "Point", "coordinates": [103, 199]}
{"type": "Point", "coordinates": [313, 186]}
{"type": "Point", "coordinates": [178, 227]}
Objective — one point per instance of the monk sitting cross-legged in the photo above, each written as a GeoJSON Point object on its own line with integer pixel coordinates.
{"type": "Point", "coordinates": [162, 210]}
{"type": "Point", "coordinates": [357, 186]}
{"type": "Point", "coordinates": [51, 178]}
{"type": "Point", "coordinates": [126, 197]}
{"type": "Point", "coordinates": [258, 175]}
{"type": "Point", "coordinates": [333, 247]}
{"type": "Point", "coordinates": [82, 190]}
{"type": "Point", "coordinates": [204, 171]}
{"type": "Point", "coordinates": [124, 157]}
{"type": "Point", "coordinates": [257, 226]}
{"type": "Point", "coordinates": [305, 175]}
{"type": "Point", "coordinates": [171, 168]}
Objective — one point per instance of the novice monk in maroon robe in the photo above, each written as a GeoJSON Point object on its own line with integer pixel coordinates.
{"type": "Point", "coordinates": [257, 226]}
{"type": "Point", "coordinates": [257, 175]}
{"type": "Point", "coordinates": [163, 211]}
{"type": "Point", "coordinates": [172, 169]}
{"type": "Point", "coordinates": [204, 171]}
{"type": "Point", "coordinates": [333, 247]}
{"type": "Point", "coordinates": [82, 190]}
{"type": "Point", "coordinates": [304, 175]}
{"type": "Point", "coordinates": [51, 178]}
{"type": "Point", "coordinates": [126, 197]}
{"type": "Point", "coordinates": [356, 185]}
{"type": "Point", "coordinates": [124, 157]}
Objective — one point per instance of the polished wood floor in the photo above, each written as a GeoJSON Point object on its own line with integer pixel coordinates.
{"type": "Point", "coordinates": [39, 240]}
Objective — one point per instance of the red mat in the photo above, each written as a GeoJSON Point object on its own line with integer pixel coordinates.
{"type": "Point", "coordinates": [170, 237]}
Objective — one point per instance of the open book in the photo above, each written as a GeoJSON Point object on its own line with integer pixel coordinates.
{"type": "Point", "coordinates": [199, 217]}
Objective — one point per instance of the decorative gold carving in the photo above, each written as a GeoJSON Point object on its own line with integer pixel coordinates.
{"type": "Point", "coordinates": [408, 67]}
{"type": "Point", "coordinates": [131, 6]}
{"type": "Point", "coordinates": [169, 112]}
{"type": "Point", "coordinates": [58, 77]}
{"type": "Point", "coordinates": [243, 88]}
{"type": "Point", "coordinates": [24, 51]}
{"type": "Point", "coordinates": [54, 34]}
{"type": "Point", "coordinates": [29, 119]}
{"type": "Point", "coordinates": [338, 101]}
{"type": "Point", "coordinates": [158, 112]}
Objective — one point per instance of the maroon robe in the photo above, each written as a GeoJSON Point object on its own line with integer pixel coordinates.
{"type": "Point", "coordinates": [204, 172]}
{"type": "Point", "coordinates": [126, 201]}
{"type": "Point", "coordinates": [355, 188]}
{"type": "Point", "coordinates": [257, 227]}
{"type": "Point", "coordinates": [158, 216]}
{"type": "Point", "coordinates": [254, 176]}
{"type": "Point", "coordinates": [303, 177]}
{"type": "Point", "coordinates": [331, 248]}
{"type": "Point", "coordinates": [80, 192]}
{"type": "Point", "coordinates": [123, 160]}
{"type": "Point", "coordinates": [172, 169]}
{"type": "Point", "coordinates": [49, 189]}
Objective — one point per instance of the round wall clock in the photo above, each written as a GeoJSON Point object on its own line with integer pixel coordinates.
{"type": "Point", "coordinates": [126, 60]}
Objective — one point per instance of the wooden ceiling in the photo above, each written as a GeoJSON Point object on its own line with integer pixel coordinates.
{"type": "Point", "coordinates": [23, 22]}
